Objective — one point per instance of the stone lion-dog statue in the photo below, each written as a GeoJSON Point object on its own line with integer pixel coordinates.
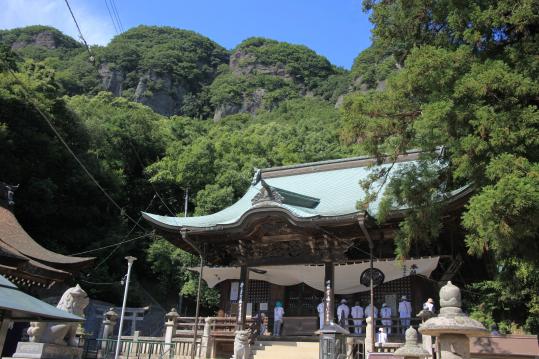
{"type": "Point", "coordinates": [74, 300]}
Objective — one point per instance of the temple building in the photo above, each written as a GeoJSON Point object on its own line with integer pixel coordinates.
{"type": "Point", "coordinates": [298, 232]}
{"type": "Point", "coordinates": [22, 260]}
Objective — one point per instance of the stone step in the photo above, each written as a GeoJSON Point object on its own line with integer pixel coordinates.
{"type": "Point", "coordinates": [288, 344]}
{"type": "Point", "coordinates": [285, 350]}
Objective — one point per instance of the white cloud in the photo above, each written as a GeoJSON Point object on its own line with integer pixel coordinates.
{"type": "Point", "coordinates": [96, 28]}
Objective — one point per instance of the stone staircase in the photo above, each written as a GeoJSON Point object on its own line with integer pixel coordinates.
{"type": "Point", "coordinates": [284, 350]}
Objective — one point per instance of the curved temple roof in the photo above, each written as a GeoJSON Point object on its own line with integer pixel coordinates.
{"type": "Point", "coordinates": [308, 191]}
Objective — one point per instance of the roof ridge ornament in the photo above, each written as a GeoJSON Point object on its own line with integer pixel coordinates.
{"type": "Point", "coordinates": [267, 194]}
{"type": "Point", "coordinates": [7, 194]}
{"type": "Point", "coordinates": [257, 176]}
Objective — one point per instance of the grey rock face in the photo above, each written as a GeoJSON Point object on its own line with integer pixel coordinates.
{"type": "Point", "coordinates": [159, 92]}
{"type": "Point", "coordinates": [225, 110]}
{"type": "Point", "coordinates": [244, 63]}
{"type": "Point", "coordinates": [45, 39]}
{"type": "Point", "coordinates": [111, 80]}
{"type": "Point", "coordinates": [251, 104]}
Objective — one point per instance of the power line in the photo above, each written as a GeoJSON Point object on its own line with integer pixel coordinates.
{"type": "Point", "coordinates": [111, 17]}
{"type": "Point", "coordinates": [151, 183]}
{"type": "Point", "coordinates": [112, 245]}
{"type": "Point", "coordinates": [117, 14]}
{"type": "Point", "coordinates": [127, 235]}
{"type": "Point", "coordinates": [59, 136]}
{"type": "Point", "coordinates": [78, 28]}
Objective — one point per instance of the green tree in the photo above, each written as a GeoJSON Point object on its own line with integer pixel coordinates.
{"type": "Point", "coordinates": [468, 82]}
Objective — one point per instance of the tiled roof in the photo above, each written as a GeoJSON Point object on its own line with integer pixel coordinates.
{"type": "Point", "coordinates": [14, 237]}
{"type": "Point", "coordinates": [322, 189]}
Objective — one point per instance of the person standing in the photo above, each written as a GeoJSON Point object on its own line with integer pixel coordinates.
{"type": "Point", "coordinates": [429, 305]}
{"type": "Point", "coordinates": [343, 312]}
{"type": "Point", "coordinates": [405, 313]}
{"type": "Point", "coordinates": [320, 310]}
{"type": "Point", "coordinates": [278, 314]}
{"type": "Point", "coordinates": [381, 337]}
{"type": "Point", "coordinates": [357, 316]}
{"type": "Point", "coordinates": [368, 312]}
{"type": "Point", "coordinates": [385, 313]}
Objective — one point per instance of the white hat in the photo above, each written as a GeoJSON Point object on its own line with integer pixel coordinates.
{"type": "Point", "coordinates": [381, 329]}
{"type": "Point", "coordinates": [430, 300]}
{"type": "Point", "coordinates": [384, 305]}
{"type": "Point", "coordinates": [343, 301]}
{"type": "Point", "coordinates": [403, 297]}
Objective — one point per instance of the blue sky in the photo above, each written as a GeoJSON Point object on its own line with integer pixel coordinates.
{"type": "Point", "coordinates": [338, 30]}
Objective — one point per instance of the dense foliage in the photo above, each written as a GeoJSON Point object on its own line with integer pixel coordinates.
{"type": "Point", "coordinates": [462, 75]}
{"type": "Point", "coordinates": [144, 160]}
{"type": "Point", "coordinates": [468, 81]}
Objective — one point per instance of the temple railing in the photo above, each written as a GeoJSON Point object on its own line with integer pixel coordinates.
{"type": "Point", "coordinates": [396, 326]}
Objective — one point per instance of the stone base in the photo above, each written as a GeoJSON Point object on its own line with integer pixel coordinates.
{"type": "Point", "coordinates": [32, 350]}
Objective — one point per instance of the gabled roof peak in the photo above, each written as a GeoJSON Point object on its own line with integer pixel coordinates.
{"type": "Point", "coordinates": [328, 165]}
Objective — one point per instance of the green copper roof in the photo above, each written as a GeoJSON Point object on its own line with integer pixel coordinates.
{"type": "Point", "coordinates": [21, 306]}
{"type": "Point", "coordinates": [314, 190]}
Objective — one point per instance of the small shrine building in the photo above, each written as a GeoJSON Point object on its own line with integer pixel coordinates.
{"type": "Point", "coordinates": [298, 229]}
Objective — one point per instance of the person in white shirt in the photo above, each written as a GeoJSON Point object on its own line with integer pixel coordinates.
{"type": "Point", "coordinates": [278, 314]}
{"type": "Point", "coordinates": [368, 311]}
{"type": "Point", "coordinates": [357, 312]}
{"type": "Point", "coordinates": [320, 310]}
{"type": "Point", "coordinates": [381, 337]}
{"type": "Point", "coordinates": [343, 312]}
{"type": "Point", "coordinates": [429, 305]}
{"type": "Point", "coordinates": [405, 313]}
{"type": "Point", "coordinates": [385, 313]}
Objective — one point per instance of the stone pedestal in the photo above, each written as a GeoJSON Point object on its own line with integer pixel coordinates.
{"type": "Point", "coordinates": [170, 328]}
{"type": "Point", "coordinates": [426, 343]}
{"type": "Point", "coordinates": [454, 346]}
{"type": "Point", "coordinates": [368, 336]}
{"type": "Point", "coordinates": [46, 351]}
{"type": "Point", "coordinates": [206, 345]}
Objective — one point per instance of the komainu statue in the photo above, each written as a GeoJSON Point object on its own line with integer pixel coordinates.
{"type": "Point", "coordinates": [74, 300]}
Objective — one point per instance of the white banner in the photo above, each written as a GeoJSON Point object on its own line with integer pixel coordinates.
{"type": "Point", "coordinates": [346, 275]}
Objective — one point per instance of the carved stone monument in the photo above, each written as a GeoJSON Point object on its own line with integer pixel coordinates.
{"type": "Point", "coordinates": [452, 327]}
{"type": "Point", "coordinates": [411, 349]}
{"type": "Point", "coordinates": [56, 340]}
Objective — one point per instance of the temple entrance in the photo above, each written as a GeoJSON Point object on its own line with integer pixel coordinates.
{"type": "Point", "coordinates": [301, 300]}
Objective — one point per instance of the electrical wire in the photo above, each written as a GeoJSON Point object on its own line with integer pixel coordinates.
{"type": "Point", "coordinates": [78, 28]}
{"type": "Point", "coordinates": [151, 183]}
{"type": "Point", "coordinates": [122, 242]}
{"type": "Point", "coordinates": [117, 15]}
{"type": "Point", "coordinates": [112, 245]}
{"type": "Point", "coordinates": [111, 17]}
{"type": "Point", "coordinates": [101, 283]}
{"type": "Point", "coordinates": [59, 136]}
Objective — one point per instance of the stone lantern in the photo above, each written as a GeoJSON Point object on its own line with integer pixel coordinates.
{"type": "Point", "coordinates": [109, 321]}
{"type": "Point", "coordinates": [170, 327]}
{"type": "Point", "coordinates": [452, 327]}
{"type": "Point", "coordinates": [411, 349]}
{"type": "Point", "coordinates": [332, 342]}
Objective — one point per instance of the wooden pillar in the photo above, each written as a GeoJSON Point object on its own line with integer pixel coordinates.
{"type": "Point", "coordinates": [243, 297]}
{"type": "Point", "coordinates": [329, 299]}
{"type": "Point", "coordinates": [5, 323]}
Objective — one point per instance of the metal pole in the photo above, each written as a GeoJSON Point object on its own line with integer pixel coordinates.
{"type": "Point", "coordinates": [186, 199]}
{"type": "Point", "coordinates": [373, 326]}
{"type": "Point", "coordinates": [193, 349]}
{"type": "Point", "coordinates": [361, 222]}
{"type": "Point", "coordinates": [130, 261]}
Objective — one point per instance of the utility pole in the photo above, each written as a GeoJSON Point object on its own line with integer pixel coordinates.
{"type": "Point", "coordinates": [130, 261]}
